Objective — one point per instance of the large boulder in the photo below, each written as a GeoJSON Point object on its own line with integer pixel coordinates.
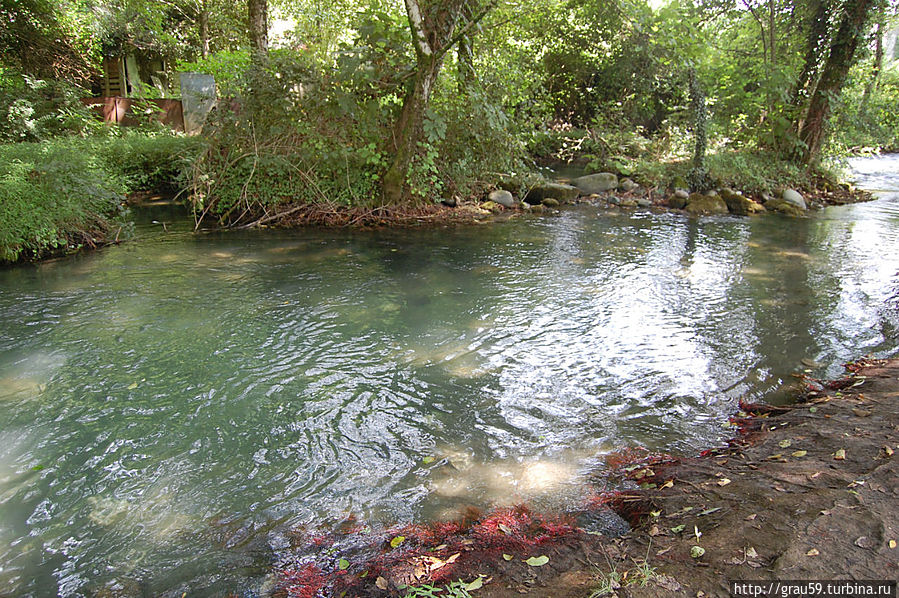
{"type": "Point", "coordinates": [794, 197]}
{"type": "Point", "coordinates": [503, 198]}
{"type": "Point", "coordinates": [677, 201]}
{"type": "Point", "coordinates": [698, 204]}
{"type": "Point", "coordinates": [739, 205]}
{"type": "Point", "coordinates": [561, 192]}
{"type": "Point", "coordinates": [596, 183]}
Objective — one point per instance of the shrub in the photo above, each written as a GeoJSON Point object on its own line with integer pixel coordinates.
{"type": "Point", "coordinates": [34, 109]}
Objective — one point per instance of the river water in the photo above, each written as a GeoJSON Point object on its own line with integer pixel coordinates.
{"type": "Point", "coordinates": [166, 403]}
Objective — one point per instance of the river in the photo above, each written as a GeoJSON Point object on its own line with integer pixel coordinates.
{"type": "Point", "coordinates": [168, 402]}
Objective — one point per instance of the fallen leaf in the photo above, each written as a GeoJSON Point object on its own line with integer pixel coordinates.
{"type": "Point", "coordinates": [751, 553]}
{"type": "Point", "coordinates": [427, 460]}
{"type": "Point", "coordinates": [505, 529]}
{"type": "Point", "coordinates": [864, 542]}
{"type": "Point", "coordinates": [537, 561]}
{"type": "Point", "coordinates": [655, 513]}
{"type": "Point", "coordinates": [812, 552]}
{"type": "Point", "coordinates": [892, 544]}
{"type": "Point", "coordinates": [776, 457]}
{"type": "Point", "coordinates": [343, 564]}
{"type": "Point", "coordinates": [751, 517]}
{"type": "Point", "coordinates": [397, 541]}
{"type": "Point", "coordinates": [678, 528]}
{"type": "Point", "coordinates": [840, 455]}
{"type": "Point", "coordinates": [664, 550]}
{"type": "Point", "coordinates": [861, 412]}
{"type": "Point", "coordinates": [667, 484]}
{"type": "Point", "coordinates": [813, 410]}
{"type": "Point", "coordinates": [697, 552]}
{"type": "Point", "coordinates": [888, 451]}
{"type": "Point", "coordinates": [475, 585]}
{"type": "Point", "coordinates": [723, 482]}
{"type": "Point", "coordinates": [132, 386]}
{"type": "Point", "coordinates": [799, 454]}
{"type": "Point", "coordinates": [654, 530]}
{"type": "Point", "coordinates": [381, 583]}
{"type": "Point", "coordinates": [709, 511]}
{"type": "Point", "coordinates": [784, 444]}
{"type": "Point", "coordinates": [453, 558]}
{"type": "Point", "coordinates": [507, 557]}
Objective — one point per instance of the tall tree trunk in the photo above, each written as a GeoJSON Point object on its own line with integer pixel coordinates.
{"type": "Point", "coordinates": [833, 75]}
{"type": "Point", "coordinates": [407, 129]}
{"type": "Point", "coordinates": [433, 34]}
{"type": "Point", "coordinates": [257, 24]}
{"type": "Point", "coordinates": [204, 29]}
{"type": "Point", "coordinates": [816, 41]}
{"type": "Point", "coordinates": [465, 55]}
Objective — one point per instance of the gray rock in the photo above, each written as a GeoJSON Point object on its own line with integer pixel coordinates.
{"type": "Point", "coordinates": [596, 183]}
{"type": "Point", "coordinates": [643, 202]}
{"type": "Point", "coordinates": [602, 521]}
{"type": "Point", "coordinates": [794, 197]}
{"type": "Point", "coordinates": [502, 197]}
{"type": "Point", "coordinates": [558, 191]}
{"type": "Point", "coordinates": [681, 193]}
{"type": "Point", "coordinates": [613, 199]}
{"type": "Point", "coordinates": [784, 207]}
{"type": "Point", "coordinates": [627, 185]}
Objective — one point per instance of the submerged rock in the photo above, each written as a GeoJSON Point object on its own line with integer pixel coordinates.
{"type": "Point", "coordinates": [558, 191]}
{"type": "Point", "coordinates": [703, 204]}
{"type": "Point", "coordinates": [596, 183]}
{"type": "Point", "coordinates": [678, 201]}
{"type": "Point", "coordinates": [602, 521]}
{"type": "Point", "coordinates": [784, 207]}
{"type": "Point", "coordinates": [502, 197]}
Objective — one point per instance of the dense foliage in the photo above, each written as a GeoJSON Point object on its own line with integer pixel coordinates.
{"type": "Point", "coordinates": [366, 102]}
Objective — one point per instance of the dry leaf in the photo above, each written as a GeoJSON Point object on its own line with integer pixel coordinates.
{"type": "Point", "coordinates": [667, 484]}
{"type": "Point", "coordinates": [812, 552]}
{"type": "Point", "coordinates": [381, 583]}
{"type": "Point", "coordinates": [453, 558]}
{"type": "Point", "coordinates": [654, 530]}
{"type": "Point", "coordinates": [723, 482]}
{"type": "Point", "coordinates": [751, 517]}
{"type": "Point", "coordinates": [892, 544]}
{"type": "Point", "coordinates": [799, 454]}
{"type": "Point", "coordinates": [840, 455]}
{"type": "Point", "coordinates": [664, 550]}
{"type": "Point", "coordinates": [784, 444]}
{"type": "Point", "coordinates": [751, 553]}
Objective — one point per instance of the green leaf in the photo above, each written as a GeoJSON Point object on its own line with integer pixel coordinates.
{"type": "Point", "coordinates": [697, 552]}
{"type": "Point", "coordinates": [343, 564]}
{"type": "Point", "coordinates": [507, 557]}
{"type": "Point", "coordinates": [784, 444]}
{"type": "Point", "coordinates": [678, 528]}
{"type": "Point", "coordinates": [537, 561]}
{"type": "Point", "coordinates": [475, 585]}
{"type": "Point", "coordinates": [397, 541]}
{"type": "Point", "coordinates": [427, 460]}
{"type": "Point", "coordinates": [132, 386]}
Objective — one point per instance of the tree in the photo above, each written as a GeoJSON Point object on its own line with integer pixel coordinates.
{"type": "Point", "coordinates": [436, 27]}
{"type": "Point", "coordinates": [257, 24]}
{"type": "Point", "coordinates": [854, 21]}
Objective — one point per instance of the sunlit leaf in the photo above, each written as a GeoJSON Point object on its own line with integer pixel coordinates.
{"type": "Point", "coordinates": [507, 557]}
{"type": "Point", "coordinates": [343, 564]}
{"type": "Point", "coordinates": [840, 455]}
{"type": "Point", "coordinates": [475, 585]}
{"type": "Point", "coordinates": [799, 453]}
{"type": "Point", "coordinates": [697, 552]}
{"type": "Point", "coordinates": [397, 541]}
{"type": "Point", "coordinates": [537, 561]}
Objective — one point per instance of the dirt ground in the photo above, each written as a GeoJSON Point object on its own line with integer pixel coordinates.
{"type": "Point", "coordinates": [810, 492]}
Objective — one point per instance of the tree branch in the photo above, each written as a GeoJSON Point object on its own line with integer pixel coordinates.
{"type": "Point", "coordinates": [468, 27]}
{"type": "Point", "coordinates": [416, 22]}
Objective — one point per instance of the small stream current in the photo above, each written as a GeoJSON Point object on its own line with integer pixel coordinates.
{"type": "Point", "coordinates": [168, 401]}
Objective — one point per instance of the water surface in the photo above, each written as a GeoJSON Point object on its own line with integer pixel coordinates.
{"type": "Point", "coordinates": [167, 403]}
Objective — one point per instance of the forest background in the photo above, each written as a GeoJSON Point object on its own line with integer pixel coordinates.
{"type": "Point", "coordinates": [362, 104]}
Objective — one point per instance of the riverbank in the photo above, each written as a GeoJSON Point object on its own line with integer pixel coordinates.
{"type": "Point", "coordinates": [801, 492]}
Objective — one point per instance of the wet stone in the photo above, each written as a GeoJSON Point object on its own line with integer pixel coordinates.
{"type": "Point", "coordinates": [603, 521]}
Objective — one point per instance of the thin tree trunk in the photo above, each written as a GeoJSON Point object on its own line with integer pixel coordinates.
{"type": "Point", "coordinates": [815, 43]}
{"type": "Point", "coordinates": [871, 85]}
{"type": "Point", "coordinates": [465, 56]}
{"type": "Point", "coordinates": [257, 23]}
{"type": "Point", "coordinates": [204, 29]}
{"type": "Point", "coordinates": [833, 75]}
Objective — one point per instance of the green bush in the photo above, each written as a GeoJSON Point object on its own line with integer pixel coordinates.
{"type": "Point", "coordinates": [33, 109]}
{"type": "Point", "coordinates": [69, 192]}
{"type": "Point", "coordinates": [54, 196]}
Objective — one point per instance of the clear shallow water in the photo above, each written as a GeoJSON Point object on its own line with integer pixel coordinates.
{"type": "Point", "coordinates": [168, 403]}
